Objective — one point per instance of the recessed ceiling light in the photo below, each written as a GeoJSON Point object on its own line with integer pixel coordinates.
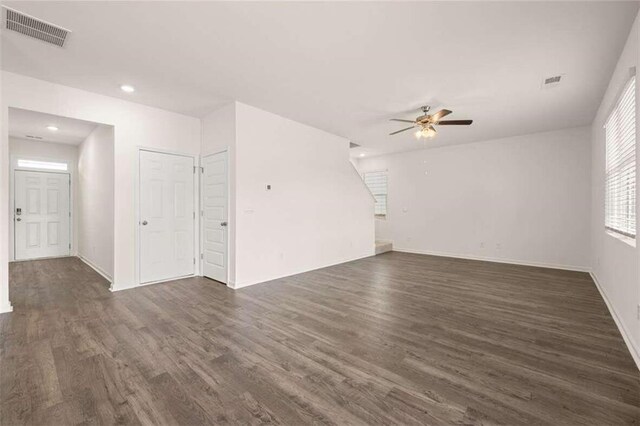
{"type": "Point", "coordinates": [52, 128]}
{"type": "Point", "coordinates": [127, 88]}
{"type": "Point", "coordinates": [362, 154]}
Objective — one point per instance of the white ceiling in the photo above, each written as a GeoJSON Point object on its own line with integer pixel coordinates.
{"type": "Point", "coordinates": [24, 123]}
{"type": "Point", "coordinates": [345, 67]}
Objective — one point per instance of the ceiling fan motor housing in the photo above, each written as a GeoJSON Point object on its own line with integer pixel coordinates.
{"type": "Point", "coordinates": [424, 118]}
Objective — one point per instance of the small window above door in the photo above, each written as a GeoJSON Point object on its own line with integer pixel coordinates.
{"type": "Point", "coordinates": [42, 165]}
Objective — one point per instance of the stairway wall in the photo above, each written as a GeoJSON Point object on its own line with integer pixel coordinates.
{"type": "Point", "coordinates": [317, 212]}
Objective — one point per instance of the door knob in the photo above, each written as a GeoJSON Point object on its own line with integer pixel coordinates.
{"type": "Point", "coordinates": [144, 223]}
{"type": "Point", "coordinates": [18, 219]}
{"type": "Point", "coordinates": [223, 223]}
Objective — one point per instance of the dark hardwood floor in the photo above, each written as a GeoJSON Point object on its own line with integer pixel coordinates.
{"type": "Point", "coordinates": [392, 339]}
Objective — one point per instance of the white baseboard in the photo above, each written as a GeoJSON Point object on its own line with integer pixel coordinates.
{"type": "Point", "coordinates": [237, 286]}
{"type": "Point", "coordinates": [42, 258]}
{"type": "Point", "coordinates": [114, 288]}
{"type": "Point", "coordinates": [6, 309]}
{"type": "Point", "coordinates": [635, 352]}
{"type": "Point", "coordinates": [496, 260]}
{"type": "Point", "coordinates": [95, 268]}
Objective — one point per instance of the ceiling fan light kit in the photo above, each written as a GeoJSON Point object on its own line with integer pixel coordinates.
{"type": "Point", "coordinates": [426, 132]}
{"type": "Point", "coordinates": [426, 123]}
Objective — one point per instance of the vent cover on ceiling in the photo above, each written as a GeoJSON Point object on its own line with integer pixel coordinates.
{"type": "Point", "coordinates": [553, 81]}
{"type": "Point", "coordinates": [33, 137]}
{"type": "Point", "coordinates": [35, 28]}
{"type": "Point", "coordinates": [550, 80]}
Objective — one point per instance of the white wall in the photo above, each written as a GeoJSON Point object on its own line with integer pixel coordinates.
{"type": "Point", "coordinates": [135, 125]}
{"type": "Point", "coordinates": [95, 200]}
{"type": "Point", "coordinates": [38, 150]}
{"type": "Point", "coordinates": [46, 150]}
{"type": "Point", "coordinates": [317, 213]}
{"type": "Point", "coordinates": [522, 199]}
{"type": "Point", "coordinates": [615, 262]}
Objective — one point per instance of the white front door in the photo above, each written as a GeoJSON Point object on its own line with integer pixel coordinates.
{"type": "Point", "coordinates": [167, 216]}
{"type": "Point", "coordinates": [41, 215]}
{"type": "Point", "coordinates": [215, 202]}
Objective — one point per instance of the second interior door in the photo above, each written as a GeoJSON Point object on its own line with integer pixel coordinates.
{"type": "Point", "coordinates": [214, 204]}
{"type": "Point", "coordinates": [167, 216]}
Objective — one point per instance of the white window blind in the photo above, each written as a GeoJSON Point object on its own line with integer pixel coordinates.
{"type": "Point", "coordinates": [620, 147]}
{"type": "Point", "coordinates": [377, 184]}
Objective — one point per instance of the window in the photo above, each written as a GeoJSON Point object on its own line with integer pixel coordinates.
{"type": "Point", "coordinates": [377, 184]}
{"type": "Point", "coordinates": [620, 172]}
{"type": "Point", "coordinates": [42, 165]}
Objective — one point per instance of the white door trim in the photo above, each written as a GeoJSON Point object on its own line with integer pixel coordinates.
{"type": "Point", "coordinates": [136, 223]}
{"type": "Point", "coordinates": [230, 222]}
{"type": "Point", "coordinates": [12, 197]}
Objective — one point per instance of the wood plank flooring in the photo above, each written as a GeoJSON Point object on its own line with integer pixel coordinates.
{"type": "Point", "coordinates": [392, 339]}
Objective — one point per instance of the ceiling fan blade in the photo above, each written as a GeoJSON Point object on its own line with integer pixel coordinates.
{"type": "Point", "coordinates": [454, 122]}
{"type": "Point", "coordinates": [403, 121]}
{"type": "Point", "coordinates": [403, 130]}
{"type": "Point", "coordinates": [438, 115]}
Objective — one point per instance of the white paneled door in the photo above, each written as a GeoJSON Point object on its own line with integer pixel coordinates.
{"type": "Point", "coordinates": [215, 202]}
{"type": "Point", "coordinates": [167, 216]}
{"type": "Point", "coordinates": [41, 215]}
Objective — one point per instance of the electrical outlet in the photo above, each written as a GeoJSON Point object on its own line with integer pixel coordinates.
{"type": "Point", "coordinates": [498, 246]}
{"type": "Point", "coordinates": [639, 311]}
{"type": "Point", "coordinates": [481, 244]}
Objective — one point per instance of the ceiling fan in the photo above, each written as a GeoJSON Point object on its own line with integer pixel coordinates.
{"type": "Point", "coordinates": [426, 123]}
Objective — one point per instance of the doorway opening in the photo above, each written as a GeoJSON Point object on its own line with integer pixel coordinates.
{"type": "Point", "coordinates": [61, 189]}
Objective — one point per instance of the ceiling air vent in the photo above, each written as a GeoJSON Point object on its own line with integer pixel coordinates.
{"type": "Point", "coordinates": [550, 80]}
{"type": "Point", "coordinates": [35, 28]}
{"type": "Point", "coordinates": [33, 137]}
{"type": "Point", "coordinates": [553, 81]}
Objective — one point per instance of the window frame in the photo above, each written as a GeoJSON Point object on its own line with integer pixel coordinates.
{"type": "Point", "coordinates": [386, 193]}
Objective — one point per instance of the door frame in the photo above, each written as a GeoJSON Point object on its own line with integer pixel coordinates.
{"type": "Point", "coordinates": [12, 199]}
{"type": "Point", "coordinates": [137, 219]}
{"type": "Point", "coordinates": [229, 220]}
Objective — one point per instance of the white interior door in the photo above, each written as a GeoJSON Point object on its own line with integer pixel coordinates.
{"type": "Point", "coordinates": [167, 216]}
{"type": "Point", "coordinates": [215, 202]}
{"type": "Point", "coordinates": [41, 215]}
